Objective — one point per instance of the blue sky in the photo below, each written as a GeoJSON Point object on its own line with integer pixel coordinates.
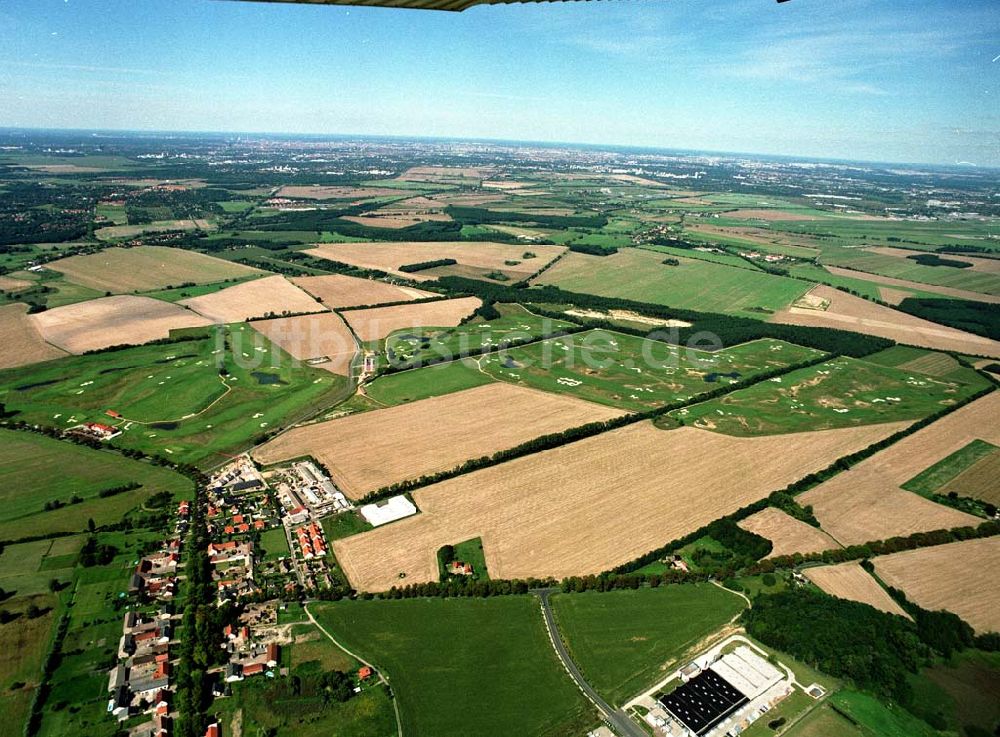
{"type": "Point", "coordinates": [889, 80]}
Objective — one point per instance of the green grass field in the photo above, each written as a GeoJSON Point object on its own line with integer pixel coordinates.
{"type": "Point", "coordinates": [844, 392]}
{"type": "Point", "coordinates": [854, 714]}
{"type": "Point", "coordinates": [905, 268]}
{"type": "Point", "coordinates": [464, 666]}
{"type": "Point", "coordinates": [35, 469]}
{"type": "Point", "coordinates": [344, 524]}
{"type": "Point", "coordinates": [621, 640]}
{"type": "Point", "coordinates": [274, 542]}
{"type": "Point", "coordinates": [172, 397]}
{"type": "Point", "coordinates": [430, 381]}
{"type": "Point", "coordinates": [418, 345]}
{"type": "Point", "coordinates": [694, 284]}
{"type": "Point", "coordinates": [635, 373]}
{"type": "Point", "coordinates": [961, 692]}
{"type": "Point", "coordinates": [933, 478]}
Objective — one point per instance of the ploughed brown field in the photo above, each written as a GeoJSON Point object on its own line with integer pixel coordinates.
{"type": "Point", "coordinates": [851, 581]}
{"type": "Point", "coordinates": [22, 342]}
{"type": "Point", "coordinates": [307, 337]}
{"type": "Point", "coordinates": [959, 577]}
{"type": "Point", "coordinates": [338, 290]}
{"type": "Point", "coordinates": [847, 312]}
{"type": "Point", "coordinates": [867, 502]}
{"type": "Point", "coordinates": [144, 268]}
{"type": "Point", "coordinates": [257, 298]}
{"type": "Point", "coordinates": [367, 451]}
{"type": "Point", "coordinates": [787, 534]}
{"type": "Point", "coordinates": [121, 320]}
{"type": "Point", "coordinates": [389, 257]}
{"type": "Point", "coordinates": [588, 506]}
{"type": "Point", "coordinates": [378, 322]}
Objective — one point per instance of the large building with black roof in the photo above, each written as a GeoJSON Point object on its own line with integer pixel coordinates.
{"type": "Point", "coordinates": [703, 702]}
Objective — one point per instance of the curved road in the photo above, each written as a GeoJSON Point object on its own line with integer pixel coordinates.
{"type": "Point", "coordinates": [616, 719]}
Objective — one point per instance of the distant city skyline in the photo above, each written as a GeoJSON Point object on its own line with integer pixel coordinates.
{"type": "Point", "coordinates": [860, 80]}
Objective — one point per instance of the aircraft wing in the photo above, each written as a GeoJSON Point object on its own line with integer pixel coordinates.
{"type": "Point", "coordinates": [455, 5]}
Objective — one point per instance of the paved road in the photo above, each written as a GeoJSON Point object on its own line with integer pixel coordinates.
{"type": "Point", "coordinates": [616, 719]}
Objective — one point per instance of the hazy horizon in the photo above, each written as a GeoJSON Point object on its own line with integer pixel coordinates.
{"type": "Point", "coordinates": [863, 81]}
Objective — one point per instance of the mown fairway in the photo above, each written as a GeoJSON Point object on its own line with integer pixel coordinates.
{"type": "Point", "coordinates": [844, 392]}
{"type": "Point", "coordinates": [516, 323]}
{"type": "Point", "coordinates": [430, 381]}
{"type": "Point", "coordinates": [635, 373]}
{"type": "Point", "coordinates": [172, 398]}
{"type": "Point", "coordinates": [36, 470]}
{"type": "Point", "coordinates": [464, 666]}
{"type": "Point", "coordinates": [621, 640]}
{"type": "Point", "coordinates": [693, 284]}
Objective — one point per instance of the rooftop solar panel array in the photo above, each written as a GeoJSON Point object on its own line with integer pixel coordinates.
{"type": "Point", "coordinates": [703, 702]}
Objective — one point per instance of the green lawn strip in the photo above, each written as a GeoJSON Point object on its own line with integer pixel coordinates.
{"type": "Point", "coordinates": [842, 392]}
{"type": "Point", "coordinates": [438, 653]}
{"type": "Point", "coordinates": [430, 381]}
{"type": "Point", "coordinates": [36, 469]}
{"type": "Point", "coordinates": [621, 640]}
{"type": "Point", "coordinates": [932, 479]}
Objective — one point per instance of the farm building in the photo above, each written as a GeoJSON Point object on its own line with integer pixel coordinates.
{"type": "Point", "coordinates": [396, 508]}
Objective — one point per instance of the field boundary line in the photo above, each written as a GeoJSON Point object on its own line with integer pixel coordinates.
{"type": "Point", "coordinates": [381, 676]}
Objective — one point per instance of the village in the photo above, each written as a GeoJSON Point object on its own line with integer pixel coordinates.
{"type": "Point", "coordinates": [266, 547]}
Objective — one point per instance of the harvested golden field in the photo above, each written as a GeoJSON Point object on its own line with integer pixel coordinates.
{"type": "Point", "coordinates": [396, 220]}
{"type": "Point", "coordinates": [367, 451]}
{"type": "Point", "coordinates": [979, 481]}
{"type": "Point", "coordinates": [848, 312]}
{"type": "Point", "coordinates": [121, 320]}
{"type": "Point", "coordinates": [588, 506]}
{"type": "Point", "coordinates": [140, 269]}
{"type": "Point", "coordinates": [338, 290]}
{"type": "Point", "coordinates": [915, 286]}
{"type": "Point", "coordinates": [10, 284]}
{"type": "Point", "coordinates": [378, 322]}
{"type": "Point", "coordinates": [389, 257]}
{"type": "Point", "coordinates": [116, 232]}
{"type": "Point", "coordinates": [273, 295]}
{"type": "Point", "coordinates": [772, 215]}
{"type": "Point", "coordinates": [22, 343]}
{"type": "Point", "coordinates": [867, 502]}
{"type": "Point", "coordinates": [787, 534]}
{"type": "Point", "coordinates": [310, 337]}
{"type": "Point", "coordinates": [960, 577]}
{"type": "Point", "coordinates": [317, 192]}
{"type": "Point", "coordinates": [892, 296]}
{"type": "Point", "coordinates": [466, 200]}
{"type": "Point", "coordinates": [852, 582]}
